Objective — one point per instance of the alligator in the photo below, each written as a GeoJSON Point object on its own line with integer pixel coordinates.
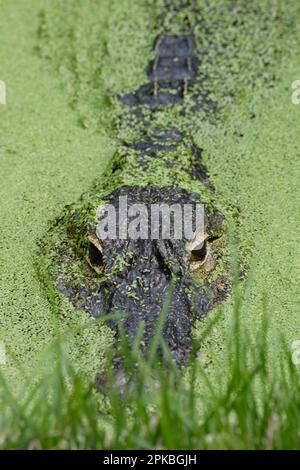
{"type": "Point", "coordinates": [135, 275]}
{"type": "Point", "coordinates": [157, 163]}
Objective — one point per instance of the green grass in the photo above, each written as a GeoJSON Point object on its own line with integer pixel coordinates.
{"type": "Point", "coordinates": [254, 405]}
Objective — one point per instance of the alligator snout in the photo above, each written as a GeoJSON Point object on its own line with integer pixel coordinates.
{"type": "Point", "coordinates": [146, 282]}
{"type": "Point", "coordinates": [141, 274]}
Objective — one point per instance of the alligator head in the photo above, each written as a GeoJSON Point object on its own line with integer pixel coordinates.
{"type": "Point", "coordinates": [138, 272]}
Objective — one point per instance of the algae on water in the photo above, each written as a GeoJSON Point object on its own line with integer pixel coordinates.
{"type": "Point", "coordinates": [59, 130]}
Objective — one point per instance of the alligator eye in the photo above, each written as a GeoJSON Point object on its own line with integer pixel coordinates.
{"type": "Point", "coordinates": [198, 248]}
{"type": "Point", "coordinates": [199, 253]}
{"type": "Point", "coordinates": [95, 256]}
